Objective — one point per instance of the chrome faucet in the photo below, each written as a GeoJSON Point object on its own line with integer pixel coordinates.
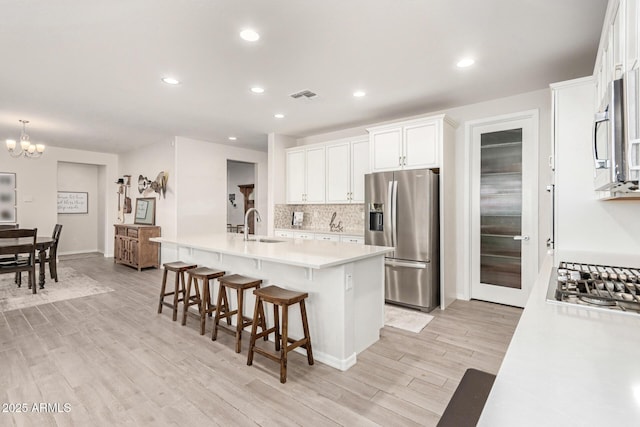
{"type": "Point", "coordinates": [246, 221]}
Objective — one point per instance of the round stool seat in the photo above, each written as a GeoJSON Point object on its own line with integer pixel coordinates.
{"type": "Point", "coordinates": [238, 281]}
{"type": "Point", "coordinates": [279, 296]}
{"type": "Point", "coordinates": [178, 266]}
{"type": "Point", "coordinates": [205, 272]}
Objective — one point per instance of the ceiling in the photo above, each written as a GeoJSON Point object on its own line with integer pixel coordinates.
{"type": "Point", "coordinates": [87, 73]}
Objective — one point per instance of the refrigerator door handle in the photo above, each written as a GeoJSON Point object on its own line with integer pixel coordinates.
{"type": "Point", "coordinates": [394, 214]}
{"type": "Point", "coordinates": [407, 264]}
{"type": "Point", "coordinates": [392, 211]}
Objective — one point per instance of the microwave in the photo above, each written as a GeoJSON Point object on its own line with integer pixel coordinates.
{"type": "Point", "coordinates": [616, 151]}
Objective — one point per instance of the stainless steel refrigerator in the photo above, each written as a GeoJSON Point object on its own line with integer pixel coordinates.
{"type": "Point", "coordinates": [401, 210]}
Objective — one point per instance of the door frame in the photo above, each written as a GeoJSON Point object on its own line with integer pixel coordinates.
{"type": "Point", "coordinates": [532, 195]}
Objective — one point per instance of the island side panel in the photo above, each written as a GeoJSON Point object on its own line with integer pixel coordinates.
{"type": "Point", "coordinates": [368, 301]}
{"type": "Point", "coordinates": [331, 323]}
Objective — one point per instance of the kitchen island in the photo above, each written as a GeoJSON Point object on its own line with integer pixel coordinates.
{"type": "Point", "coordinates": [568, 365]}
{"type": "Point", "coordinates": [345, 283]}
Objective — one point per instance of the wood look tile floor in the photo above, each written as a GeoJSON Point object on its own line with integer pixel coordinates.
{"type": "Point", "coordinates": [115, 361]}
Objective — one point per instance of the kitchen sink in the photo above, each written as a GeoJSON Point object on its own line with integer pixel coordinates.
{"type": "Point", "coordinates": [266, 240]}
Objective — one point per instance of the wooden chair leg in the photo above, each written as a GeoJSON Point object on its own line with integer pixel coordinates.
{"type": "Point", "coordinates": [222, 290]}
{"type": "Point", "coordinates": [305, 327]}
{"type": "Point", "coordinates": [239, 320]}
{"type": "Point", "coordinates": [53, 268]}
{"type": "Point", "coordinates": [176, 286]}
{"type": "Point", "coordinates": [263, 321]}
{"type": "Point", "coordinates": [254, 329]}
{"type": "Point", "coordinates": [186, 299]}
{"type": "Point", "coordinates": [18, 279]}
{"type": "Point", "coordinates": [204, 304]}
{"type": "Point", "coordinates": [276, 322]}
{"type": "Point", "coordinates": [162, 290]}
{"type": "Point", "coordinates": [285, 342]}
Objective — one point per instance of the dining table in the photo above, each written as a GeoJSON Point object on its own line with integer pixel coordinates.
{"type": "Point", "coordinates": [42, 244]}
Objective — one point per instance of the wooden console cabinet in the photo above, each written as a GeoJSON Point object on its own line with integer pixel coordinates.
{"type": "Point", "coordinates": [132, 246]}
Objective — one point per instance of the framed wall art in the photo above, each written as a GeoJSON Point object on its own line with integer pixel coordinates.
{"type": "Point", "coordinates": [73, 202]}
{"type": "Point", "coordinates": [145, 213]}
{"type": "Point", "coordinates": [8, 205]}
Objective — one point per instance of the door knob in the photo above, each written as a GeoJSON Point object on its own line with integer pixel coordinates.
{"type": "Point", "coordinates": [525, 238]}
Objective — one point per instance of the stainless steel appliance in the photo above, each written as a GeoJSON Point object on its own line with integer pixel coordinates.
{"type": "Point", "coordinates": [401, 210]}
{"type": "Point", "coordinates": [616, 154]}
{"type": "Point", "coordinates": [596, 286]}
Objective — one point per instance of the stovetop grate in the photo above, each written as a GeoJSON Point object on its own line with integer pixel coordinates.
{"type": "Point", "coordinates": [615, 288]}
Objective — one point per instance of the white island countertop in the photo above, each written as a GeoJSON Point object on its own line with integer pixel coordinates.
{"type": "Point", "coordinates": [297, 252]}
{"type": "Point", "coordinates": [567, 366]}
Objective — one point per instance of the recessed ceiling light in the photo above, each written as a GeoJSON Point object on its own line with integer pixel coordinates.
{"type": "Point", "coordinates": [171, 81]}
{"type": "Point", "coordinates": [232, 138]}
{"type": "Point", "coordinates": [359, 94]}
{"type": "Point", "coordinates": [279, 116]}
{"type": "Point", "coordinates": [257, 89]}
{"type": "Point", "coordinates": [249, 35]}
{"type": "Point", "coordinates": [465, 62]}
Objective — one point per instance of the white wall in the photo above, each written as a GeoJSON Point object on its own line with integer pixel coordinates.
{"type": "Point", "coordinates": [201, 175]}
{"type": "Point", "coordinates": [540, 100]}
{"type": "Point", "coordinates": [79, 231]}
{"type": "Point", "coordinates": [277, 173]}
{"type": "Point", "coordinates": [148, 162]}
{"type": "Point", "coordinates": [238, 173]}
{"type": "Point", "coordinates": [37, 187]}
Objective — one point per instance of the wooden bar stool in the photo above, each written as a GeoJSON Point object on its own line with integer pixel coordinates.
{"type": "Point", "coordinates": [240, 284]}
{"type": "Point", "coordinates": [283, 298]}
{"type": "Point", "coordinates": [201, 299]}
{"type": "Point", "coordinates": [178, 268]}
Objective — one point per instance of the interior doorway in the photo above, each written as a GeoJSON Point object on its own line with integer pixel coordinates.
{"type": "Point", "coordinates": [503, 183]}
{"type": "Point", "coordinates": [241, 178]}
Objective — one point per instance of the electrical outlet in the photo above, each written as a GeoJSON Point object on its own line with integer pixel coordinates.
{"type": "Point", "coordinates": [348, 282]}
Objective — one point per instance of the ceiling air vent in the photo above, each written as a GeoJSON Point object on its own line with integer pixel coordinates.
{"type": "Point", "coordinates": [304, 94]}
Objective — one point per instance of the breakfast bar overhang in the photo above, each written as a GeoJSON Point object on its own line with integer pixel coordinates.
{"type": "Point", "coordinates": [345, 283]}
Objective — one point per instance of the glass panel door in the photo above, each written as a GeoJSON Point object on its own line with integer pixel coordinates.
{"type": "Point", "coordinates": [501, 208]}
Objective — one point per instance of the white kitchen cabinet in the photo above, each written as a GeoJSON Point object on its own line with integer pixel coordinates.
{"type": "Point", "coordinates": [347, 163]}
{"type": "Point", "coordinates": [359, 168]}
{"type": "Point", "coordinates": [617, 42]}
{"type": "Point", "coordinates": [338, 172]}
{"type": "Point", "coordinates": [386, 149]}
{"type": "Point", "coordinates": [327, 237]}
{"type": "Point", "coordinates": [420, 146]}
{"type": "Point", "coordinates": [352, 239]}
{"type": "Point", "coordinates": [303, 235]}
{"type": "Point", "coordinates": [632, 34]}
{"type": "Point", "coordinates": [413, 144]}
{"type": "Point", "coordinates": [305, 178]}
{"type": "Point", "coordinates": [296, 170]}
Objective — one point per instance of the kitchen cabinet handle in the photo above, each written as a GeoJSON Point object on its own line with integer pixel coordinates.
{"type": "Point", "coordinates": [404, 160]}
{"type": "Point", "coordinates": [525, 238]}
{"type": "Point", "coordinates": [400, 161]}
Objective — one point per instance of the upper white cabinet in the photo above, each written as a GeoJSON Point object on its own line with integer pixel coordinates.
{"type": "Point", "coordinates": [305, 175]}
{"type": "Point", "coordinates": [619, 50]}
{"type": "Point", "coordinates": [347, 163]}
{"type": "Point", "coordinates": [406, 145]}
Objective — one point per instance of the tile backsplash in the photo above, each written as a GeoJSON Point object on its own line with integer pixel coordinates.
{"type": "Point", "coordinates": [318, 217]}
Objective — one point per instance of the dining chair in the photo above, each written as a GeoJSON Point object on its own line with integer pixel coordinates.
{"type": "Point", "coordinates": [20, 244]}
{"type": "Point", "coordinates": [52, 253]}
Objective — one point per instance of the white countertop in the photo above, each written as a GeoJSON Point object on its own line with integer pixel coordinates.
{"type": "Point", "coordinates": [567, 366]}
{"type": "Point", "coordinates": [299, 252]}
